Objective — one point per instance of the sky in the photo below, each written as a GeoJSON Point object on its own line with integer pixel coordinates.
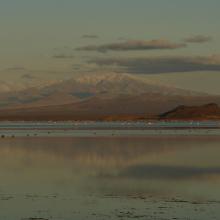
{"type": "Point", "coordinates": [173, 41]}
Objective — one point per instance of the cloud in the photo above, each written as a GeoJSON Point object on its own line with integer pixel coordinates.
{"type": "Point", "coordinates": [64, 52]}
{"type": "Point", "coordinates": [62, 56]}
{"type": "Point", "coordinates": [16, 68]}
{"type": "Point", "coordinates": [90, 36]}
{"type": "Point", "coordinates": [156, 65]}
{"type": "Point", "coordinates": [133, 45]}
{"type": "Point", "coordinates": [198, 39]}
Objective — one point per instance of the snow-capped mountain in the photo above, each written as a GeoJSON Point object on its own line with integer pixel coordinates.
{"type": "Point", "coordinates": [112, 83]}
{"type": "Point", "coordinates": [86, 87]}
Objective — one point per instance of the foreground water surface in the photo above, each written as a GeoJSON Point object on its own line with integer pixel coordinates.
{"type": "Point", "coordinates": [87, 174]}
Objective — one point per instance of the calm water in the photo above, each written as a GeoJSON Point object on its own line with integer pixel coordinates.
{"type": "Point", "coordinates": [154, 174]}
{"type": "Point", "coordinates": [109, 125]}
{"type": "Point", "coordinates": [106, 129]}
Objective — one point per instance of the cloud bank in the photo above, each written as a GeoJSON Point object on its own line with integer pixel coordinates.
{"type": "Point", "coordinates": [62, 56]}
{"type": "Point", "coordinates": [158, 65]}
{"type": "Point", "coordinates": [198, 39]}
{"type": "Point", "coordinates": [133, 45]}
{"type": "Point", "coordinates": [90, 36]}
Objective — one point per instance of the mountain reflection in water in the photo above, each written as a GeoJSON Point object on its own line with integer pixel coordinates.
{"type": "Point", "coordinates": [155, 167]}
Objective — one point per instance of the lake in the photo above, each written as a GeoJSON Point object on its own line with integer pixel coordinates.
{"type": "Point", "coordinates": [75, 170]}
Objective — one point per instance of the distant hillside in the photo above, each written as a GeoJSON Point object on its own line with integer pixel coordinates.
{"type": "Point", "coordinates": [87, 87]}
{"type": "Point", "coordinates": [205, 112]}
{"type": "Point", "coordinates": [139, 107]}
{"type": "Point", "coordinates": [98, 97]}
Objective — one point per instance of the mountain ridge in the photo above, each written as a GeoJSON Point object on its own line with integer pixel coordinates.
{"type": "Point", "coordinates": [87, 86]}
{"type": "Point", "coordinates": [133, 107]}
{"type": "Point", "coordinates": [98, 97]}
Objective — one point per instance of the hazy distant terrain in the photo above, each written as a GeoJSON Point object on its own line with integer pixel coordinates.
{"type": "Point", "coordinates": [85, 87]}
{"type": "Point", "coordinates": [97, 96]}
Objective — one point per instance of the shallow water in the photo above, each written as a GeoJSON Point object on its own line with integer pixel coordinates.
{"type": "Point", "coordinates": [108, 129]}
{"type": "Point", "coordinates": [88, 125]}
{"type": "Point", "coordinates": [110, 177]}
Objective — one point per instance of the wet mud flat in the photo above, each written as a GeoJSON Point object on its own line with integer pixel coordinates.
{"type": "Point", "coordinates": [57, 207]}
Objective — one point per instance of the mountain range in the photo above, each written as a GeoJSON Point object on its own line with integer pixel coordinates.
{"type": "Point", "coordinates": [97, 97]}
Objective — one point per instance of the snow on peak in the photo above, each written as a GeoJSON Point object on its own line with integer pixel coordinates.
{"type": "Point", "coordinates": [95, 78]}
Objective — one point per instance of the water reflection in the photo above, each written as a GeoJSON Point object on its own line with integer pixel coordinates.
{"type": "Point", "coordinates": [168, 172]}
{"type": "Point", "coordinates": [110, 152]}
{"type": "Point", "coordinates": [165, 167]}
{"type": "Point", "coordinates": [137, 158]}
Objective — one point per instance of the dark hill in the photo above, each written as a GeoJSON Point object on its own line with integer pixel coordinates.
{"type": "Point", "coordinates": [205, 112]}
